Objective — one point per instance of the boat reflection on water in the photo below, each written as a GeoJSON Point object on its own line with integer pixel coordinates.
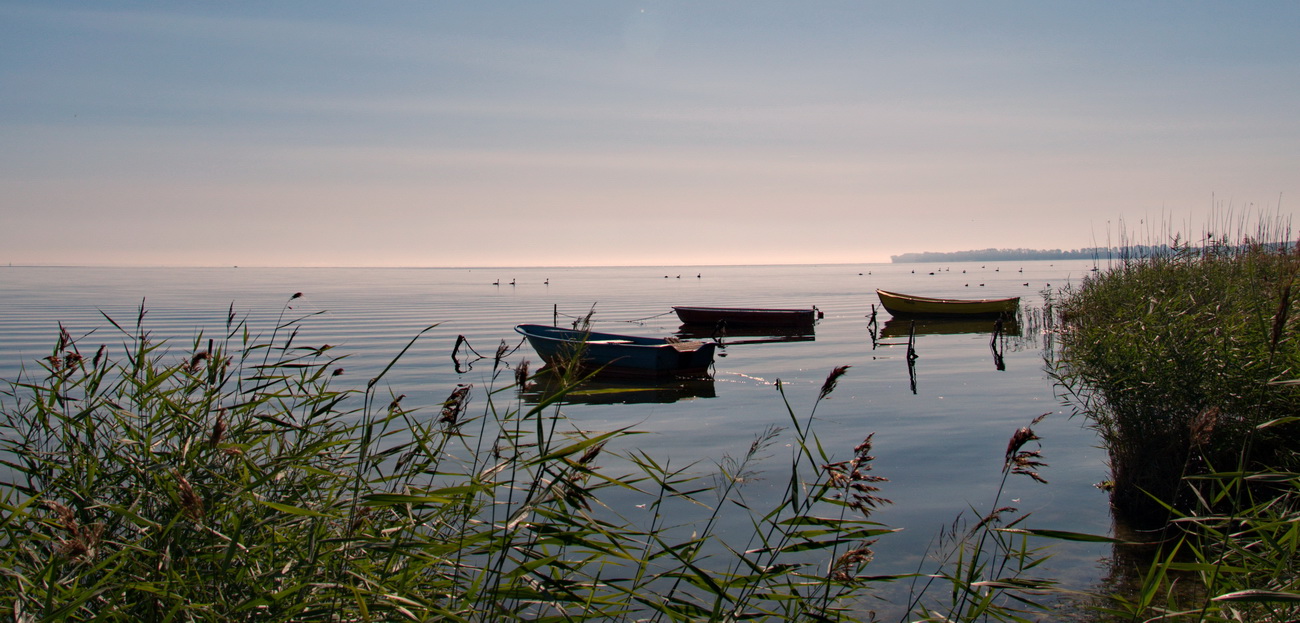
{"type": "Point", "coordinates": [1000, 332]}
{"type": "Point", "coordinates": [902, 327]}
{"type": "Point", "coordinates": [605, 390]}
{"type": "Point", "coordinates": [726, 334]}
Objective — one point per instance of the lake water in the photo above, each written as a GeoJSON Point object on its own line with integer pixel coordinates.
{"type": "Point", "coordinates": [940, 436]}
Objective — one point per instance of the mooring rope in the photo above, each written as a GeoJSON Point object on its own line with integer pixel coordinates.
{"type": "Point", "coordinates": [642, 320]}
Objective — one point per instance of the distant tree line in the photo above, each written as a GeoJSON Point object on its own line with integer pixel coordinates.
{"type": "Point", "coordinates": [990, 255]}
{"type": "Point", "coordinates": [1091, 253]}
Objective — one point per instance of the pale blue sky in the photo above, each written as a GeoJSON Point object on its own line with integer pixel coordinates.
{"type": "Point", "coordinates": [552, 133]}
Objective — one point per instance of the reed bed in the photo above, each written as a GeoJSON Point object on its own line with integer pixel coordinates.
{"type": "Point", "coordinates": [1175, 359]}
{"type": "Point", "coordinates": [1184, 360]}
{"type": "Point", "coordinates": [231, 480]}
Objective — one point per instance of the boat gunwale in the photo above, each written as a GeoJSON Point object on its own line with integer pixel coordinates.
{"type": "Point", "coordinates": [945, 301]}
{"type": "Point", "coordinates": [631, 340]}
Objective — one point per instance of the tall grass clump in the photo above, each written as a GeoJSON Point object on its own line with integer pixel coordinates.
{"type": "Point", "coordinates": [1173, 357]}
{"type": "Point", "coordinates": [232, 479]}
{"type": "Point", "coordinates": [1222, 567]}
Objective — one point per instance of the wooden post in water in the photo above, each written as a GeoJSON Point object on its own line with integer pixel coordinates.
{"type": "Point", "coordinates": [872, 327]}
{"type": "Point", "coordinates": [995, 344]}
{"type": "Point", "coordinates": [911, 355]}
{"type": "Point", "coordinates": [911, 342]}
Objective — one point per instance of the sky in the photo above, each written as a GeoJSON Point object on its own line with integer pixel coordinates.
{"type": "Point", "coordinates": [524, 133]}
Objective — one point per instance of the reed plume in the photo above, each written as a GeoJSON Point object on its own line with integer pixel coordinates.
{"type": "Point", "coordinates": [591, 453]}
{"type": "Point", "coordinates": [831, 380]}
{"type": "Point", "coordinates": [191, 503]}
{"type": "Point", "coordinates": [455, 404]}
{"type": "Point", "coordinates": [218, 429]}
{"type": "Point", "coordinates": [81, 541]}
{"type": "Point", "coordinates": [521, 374]}
{"type": "Point", "coordinates": [852, 477]}
{"type": "Point", "coordinates": [845, 567]}
{"type": "Point", "coordinates": [197, 359]}
{"type": "Point", "coordinates": [1024, 462]}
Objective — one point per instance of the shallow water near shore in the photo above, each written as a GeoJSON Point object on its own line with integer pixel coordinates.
{"type": "Point", "coordinates": [940, 432]}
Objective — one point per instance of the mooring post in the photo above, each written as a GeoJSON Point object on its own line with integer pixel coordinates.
{"type": "Point", "coordinates": [911, 342]}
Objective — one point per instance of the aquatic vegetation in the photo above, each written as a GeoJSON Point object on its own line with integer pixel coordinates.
{"type": "Point", "coordinates": [1174, 359]}
{"type": "Point", "coordinates": [232, 480]}
{"type": "Point", "coordinates": [1184, 362]}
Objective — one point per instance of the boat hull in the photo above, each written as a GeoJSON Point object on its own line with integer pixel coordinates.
{"type": "Point", "coordinates": [906, 305]}
{"type": "Point", "coordinates": [618, 354]}
{"type": "Point", "coordinates": [747, 316]}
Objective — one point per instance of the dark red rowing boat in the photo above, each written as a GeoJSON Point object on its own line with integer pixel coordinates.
{"type": "Point", "coordinates": [747, 316]}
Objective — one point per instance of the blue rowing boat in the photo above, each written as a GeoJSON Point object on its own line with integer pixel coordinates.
{"type": "Point", "coordinates": [613, 353]}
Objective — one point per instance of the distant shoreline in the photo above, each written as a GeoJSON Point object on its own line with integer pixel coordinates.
{"type": "Point", "coordinates": [991, 255]}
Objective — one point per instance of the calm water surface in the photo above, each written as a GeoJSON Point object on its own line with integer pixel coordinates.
{"type": "Point", "coordinates": [940, 442]}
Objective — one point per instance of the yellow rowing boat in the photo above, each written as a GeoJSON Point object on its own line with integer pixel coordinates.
{"type": "Point", "coordinates": [910, 305]}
